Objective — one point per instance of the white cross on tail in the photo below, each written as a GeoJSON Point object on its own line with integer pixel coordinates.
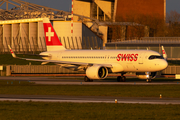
{"type": "Point", "coordinates": [49, 34]}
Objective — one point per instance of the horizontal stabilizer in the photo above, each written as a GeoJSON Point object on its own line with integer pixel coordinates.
{"type": "Point", "coordinates": [38, 55]}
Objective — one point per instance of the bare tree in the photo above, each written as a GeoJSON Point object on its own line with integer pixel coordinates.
{"type": "Point", "coordinates": [173, 26]}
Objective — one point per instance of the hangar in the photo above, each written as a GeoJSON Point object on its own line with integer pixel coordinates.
{"type": "Point", "coordinates": [115, 12]}
{"type": "Point", "coordinates": [101, 18]}
{"type": "Point", "coordinates": [27, 35]}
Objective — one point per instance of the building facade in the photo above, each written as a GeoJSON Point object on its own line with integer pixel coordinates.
{"type": "Point", "coordinates": [139, 11]}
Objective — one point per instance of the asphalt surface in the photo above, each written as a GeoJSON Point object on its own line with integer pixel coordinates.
{"type": "Point", "coordinates": [80, 81]}
{"type": "Point", "coordinates": [87, 99]}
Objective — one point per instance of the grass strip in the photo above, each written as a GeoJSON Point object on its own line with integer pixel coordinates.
{"type": "Point", "coordinates": [7, 59]}
{"type": "Point", "coordinates": [86, 111]}
{"type": "Point", "coordinates": [27, 88]}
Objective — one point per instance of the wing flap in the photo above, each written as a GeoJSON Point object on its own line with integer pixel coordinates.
{"type": "Point", "coordinates": [68, 62]}
{"type": "Point", "coordinates": [56, 61]}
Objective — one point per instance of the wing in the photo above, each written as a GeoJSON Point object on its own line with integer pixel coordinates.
{"type": "Point", "coordinates": [58, 61]}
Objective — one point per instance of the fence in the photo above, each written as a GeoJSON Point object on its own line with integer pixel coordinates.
{"type": "Point", "coordinates": [148, 40]}
{"type": "Point", "coordinates": [161, 38]}
{"type": "Point", "coordinates": [172, 70]}
{"type": "Point", "coordinates": [32, 45]}
{"type": "Point", "coordinates": [56, 69]}
{"type": "Point", "coordinates": [42, 69]}
{"type": "Point", "coordinates": [171, 45]}
{"type": "Point", "coordinates": [22, 45]}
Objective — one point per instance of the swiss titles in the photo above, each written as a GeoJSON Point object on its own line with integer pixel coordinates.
{"type": "Point", "coordinates": [127, 57]}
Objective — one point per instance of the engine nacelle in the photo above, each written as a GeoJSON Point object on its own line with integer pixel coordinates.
{"type": "Point", "coordinates": [96, 72]}
{"type": "Point", "coordinates": [143, 75]}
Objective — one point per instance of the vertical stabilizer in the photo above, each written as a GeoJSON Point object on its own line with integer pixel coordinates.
{"type": "Point", "coordinates": [164, 53]}
{"type": "Point", "coordinates": [52, 41]}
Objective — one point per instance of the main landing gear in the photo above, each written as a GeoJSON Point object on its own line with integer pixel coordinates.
{"type": "Point", "coordinates": [121, 78]}
{"type": "Point", "coordinates": [86, 79]}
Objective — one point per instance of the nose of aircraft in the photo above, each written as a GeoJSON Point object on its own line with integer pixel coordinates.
{"type": "Point", "coordinates": [163, 64]}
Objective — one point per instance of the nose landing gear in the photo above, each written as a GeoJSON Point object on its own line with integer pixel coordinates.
{"type": "Point", "coordinates": [148, 75]}
{"type": "Point", "coordinates": [148, 80]}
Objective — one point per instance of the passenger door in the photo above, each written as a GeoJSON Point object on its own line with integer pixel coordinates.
{"type": "Point", "coordinates": [141, 57]}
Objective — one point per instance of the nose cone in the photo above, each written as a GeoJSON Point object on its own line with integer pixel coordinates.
{"type": "Point", "coordinates": [163, 64]}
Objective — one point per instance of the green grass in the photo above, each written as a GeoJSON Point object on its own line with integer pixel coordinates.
{"type": "Point", "coordinates": [7, 59]}
{"type": "Point", "coordinates": [87, 111]}
{"type": "Point", "coordinates": [25, 88]}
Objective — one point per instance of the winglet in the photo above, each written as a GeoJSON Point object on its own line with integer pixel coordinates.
{"type": "Point", "coordinates": [13, 54]}
{"type": "Point", "coordinates": [164, 53]}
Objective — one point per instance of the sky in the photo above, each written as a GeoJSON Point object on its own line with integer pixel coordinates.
{"type": "Point", "coordinates": [66, 4]}
{"type": "Point", "coordinates": [172, 5]}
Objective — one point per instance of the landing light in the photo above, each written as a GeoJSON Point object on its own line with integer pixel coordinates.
{"type": "Point", "coordinates": [147, 76]}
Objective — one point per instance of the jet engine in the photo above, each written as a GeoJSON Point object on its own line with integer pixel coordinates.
{"type": "Point", "coordinates": [146, 75]}
{"type": "Point", "coordinates": [96, 72]}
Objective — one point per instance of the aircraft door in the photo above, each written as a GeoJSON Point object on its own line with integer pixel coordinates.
{"type": "Point", "coordinates": [59, 56]}
{"type": "Point", "coordinates": [106, 58]}
{"type": "Point", "coordinates": [141, 57]}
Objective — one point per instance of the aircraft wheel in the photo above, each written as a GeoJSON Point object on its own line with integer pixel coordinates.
{"type": "Point", "coordinates": [90, 80]}
{"type": "Point", "coordinates": [119, 78]}
{"type": "Point", "coordinates": [148, 80]}
{"type": "Point", "coordinates": [123, 79]}
{"type": "Point", "coordinates": [86, 79]}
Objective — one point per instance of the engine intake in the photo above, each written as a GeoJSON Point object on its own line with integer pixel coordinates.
{"type": "Point", "coordinates": [96, 72]}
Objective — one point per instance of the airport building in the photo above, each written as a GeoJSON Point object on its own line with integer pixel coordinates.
{"type": "Point", "coordinates": [93, 20]}
{"type": "Point", "coordinates": [112, 10]}
{"type": "Point", "coordinates": [22, 28]}
{"type": "Point", "coordinates": [96, 23]}
{"type": "Point", "coordinates": [22, 35]}
{"type": "Point", "coordinates": [126, 9]}
{"type": "Point", "coordinates": [27, 35]}
{"type": "Point", "coordinates": [116, 13]}
{"type": "Point", "coordinates": [171, 45]}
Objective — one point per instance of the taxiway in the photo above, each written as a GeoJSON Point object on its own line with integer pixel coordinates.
{"type": "Point", "coordinates": [88, 99]}
{"type": "Point", "coordinates": [80, 81]}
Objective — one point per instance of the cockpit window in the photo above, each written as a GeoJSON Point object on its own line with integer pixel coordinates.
{"type": "Point", "coordinates": [155, 57]}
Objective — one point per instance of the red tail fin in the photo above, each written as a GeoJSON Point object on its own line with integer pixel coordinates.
{"type": "Point", "coordinates": [164, 53]}
{"type": "Point", "coordinates": [52, 41]}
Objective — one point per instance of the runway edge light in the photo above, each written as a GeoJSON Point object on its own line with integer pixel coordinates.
{"type": "Point", "coordinates": [115, 100]}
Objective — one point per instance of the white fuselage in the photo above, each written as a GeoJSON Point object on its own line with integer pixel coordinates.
{"type": "Point", "coordinates": [121, 60]}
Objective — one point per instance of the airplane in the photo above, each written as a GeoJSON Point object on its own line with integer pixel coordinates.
{"type": "Point", "coordinates": [97, 64]}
